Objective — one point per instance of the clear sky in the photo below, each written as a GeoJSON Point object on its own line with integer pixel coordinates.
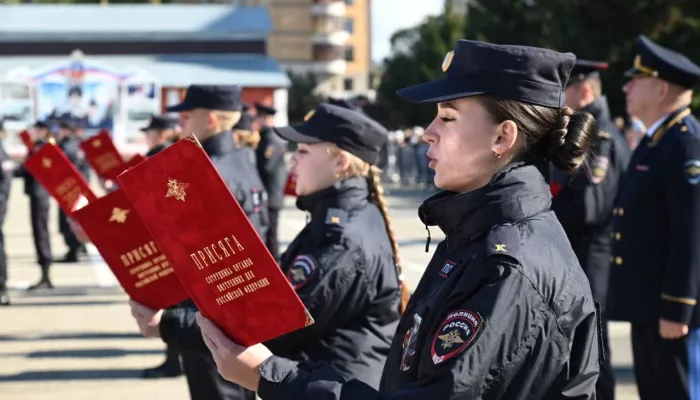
{"type": "Point", "coordinates": [388, 16]}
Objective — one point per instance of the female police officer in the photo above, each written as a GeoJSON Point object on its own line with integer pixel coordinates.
{"type": "Point", "coordinates": [343, 264]}
{"type": "Point", "coordinates": [503, 310]}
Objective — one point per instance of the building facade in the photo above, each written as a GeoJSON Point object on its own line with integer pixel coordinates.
{"type": "Point", "coordinates": [329, 38]}
{"type": "Point", "coordinates": [116, 65]}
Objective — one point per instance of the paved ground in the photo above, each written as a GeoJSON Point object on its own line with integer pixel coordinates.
{"type": "Point", "coordinates": [79, 341]}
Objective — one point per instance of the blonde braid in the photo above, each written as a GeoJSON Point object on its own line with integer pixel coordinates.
{"type": "Point", "coordinates": [374, 178]}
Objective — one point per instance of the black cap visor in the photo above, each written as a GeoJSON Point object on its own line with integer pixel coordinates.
{"type": "Point", "coordinates": [297, 134]}
{"type": "Point", "coordinates": [180, 107]}
{"type": "Point", "coordinates": [440, 91]}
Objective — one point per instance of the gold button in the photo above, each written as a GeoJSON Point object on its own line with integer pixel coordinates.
{"type": "Point", "coordinates": [614, 211]}
{"type": "Point", "coordinates": [618, 236]}
{"type": "Point", "coordinates": [621, 211]}
{"type": "Point", "coordinates": [618, 260]}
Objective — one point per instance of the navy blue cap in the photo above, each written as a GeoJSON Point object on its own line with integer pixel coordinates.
{"type": "Point", "coordinates": [245, 107]}
{"type": "Point", "coordinates": [586, 69]}
{"type": "Point", "coordinates": [41, 125]}
{"type": "Point", "coordinates": [245, 123]}
{"type": "Point", "coordinates": [522, 73]}
{"type": "Point", "coordinates": [262, 109]}
{"type": "Point", "coordinates": [158, 123]}
{"type": "Point", "coordinates": [657, 61]}
{"type": "Point", "coordinates": [68, 123]}
{"type": "Point", "coordinates": [350, 130]}
{"type": "Point", "coordinates": [220, 98]}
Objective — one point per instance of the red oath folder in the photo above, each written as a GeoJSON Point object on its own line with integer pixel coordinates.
{"type": "Point", "coordinates": [215, 251]}
{"type": "Point", "coordinates": [52, 169]}
{"type": "Point", "coordinates": [27, 140]}
{"type": "Point", "coordinates": [103, 156]}
{"type": "Point", "coordinates": [116, 229]}
{"type": "Point", "coordinates": [290, 187]}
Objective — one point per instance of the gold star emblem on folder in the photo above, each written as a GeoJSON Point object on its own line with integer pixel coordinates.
{"type": "Point", "coordinates": [118, 215]}
{"type": "Point", "coordinates": [46, 162]}
{"type": "Point", "coordinates": [176, 189]}
{"type": "Point", "coordinates": [96, 143]}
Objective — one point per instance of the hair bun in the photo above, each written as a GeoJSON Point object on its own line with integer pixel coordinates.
{"type": "Point", "coordinates": [569, 139]}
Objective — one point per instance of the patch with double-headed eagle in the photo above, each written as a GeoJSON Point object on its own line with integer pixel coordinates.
{"type": "Point", "coordinates": [302, 270]}
{"type": "Point", "coordinates": [599, 170]}
{"type": "Point", "coordinates": [456, 333]}
{"type": "Point", "coordinates": [692, 171]}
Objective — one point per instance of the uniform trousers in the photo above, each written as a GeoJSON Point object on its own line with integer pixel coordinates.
{"type": "Point", "coordinates": [271, 240]}
{"type": "Point", "coordinates": [39, 213]}
{"type": "Point", "coordinates": [204, 381]}
{"type": "Point", "coordinates": [68, 236]}
{"type": "Point", "coordinates": [605, 387]}
{"type": "Point", "coordinates": [3, 256]}
{"type": "Point", "coordinates": [666, 369]}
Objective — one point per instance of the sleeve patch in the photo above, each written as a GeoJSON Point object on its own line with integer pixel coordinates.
{"type": "Point", "coordinates": [457, 332]}
{"type": "Point", "coordinates": [599, 169]}
{"type": "Point", "coordinates": [269, 151]}
{"type": "Point", "coordinates": [692, 171]}
{"type": "Point", "coordinates": [302, 270]}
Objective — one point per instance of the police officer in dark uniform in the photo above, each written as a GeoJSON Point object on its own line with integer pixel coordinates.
{"type": "Point", "coordinates": [6, 175]}
{"type": "Point", "coordinates": [655, 271]}
{"type": "Point", "coordinates": [584, 205]}
{"type": "Point", "coordinates": [39, 201]}
{"type": "Point", "coordinates": [69, 143]}
{"type": "Point", "coordinates": [343, 264]}
{"type": "Point", "coordinates": [504, 309]}
{"type": "Point", "coordinates": [159, 134]}
{"type": "Point", "coordinates": [273, 171]}
{"type": "Point", "coordinates": [210, 112]}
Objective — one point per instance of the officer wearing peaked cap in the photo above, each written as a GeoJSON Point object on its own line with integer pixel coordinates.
{"type": "Point", "coordinates": [210, 113]}
{"type": "Point", "coordinates": [584, 204]}
{"type": "Point", "coordinates": [248, 138]}
{"type": "Point", "coordinates": [503, 310]}
{"type": "Point", "coordinates": [655, 271]}
{"type": "Point", "coordinates": [272, 169]}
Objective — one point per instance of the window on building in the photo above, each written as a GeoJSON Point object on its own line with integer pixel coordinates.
{"type": "Point", "coordinates": [349, 25]}
{"type": "Point", "coordinates": [349, 54]}
{"type": "Point", "coordinates": [348, 84]}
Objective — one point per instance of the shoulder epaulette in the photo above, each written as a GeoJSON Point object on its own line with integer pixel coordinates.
{"type": "Point", "coordinates": [336, 216]}
{"type": "Point", "coordinates": [604, 135]}
{"type": "Point", "coordinates": [503, 240]}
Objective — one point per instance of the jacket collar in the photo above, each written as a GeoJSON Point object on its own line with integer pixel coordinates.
{"type": "Point", "coordinates": [219, 144]}
{"type": "Point", "coordinates": [346, 194]}
{"type": "Point", "coordinates": [599, 109]}
{"type": "Point", "coordinates": [517, 192]}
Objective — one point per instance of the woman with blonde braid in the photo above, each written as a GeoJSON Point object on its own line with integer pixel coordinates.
{"type": "Point", "coordinates": [344, 263]}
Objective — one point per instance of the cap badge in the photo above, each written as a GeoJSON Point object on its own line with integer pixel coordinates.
{"type": "Point", "coordinates": [448, 61]}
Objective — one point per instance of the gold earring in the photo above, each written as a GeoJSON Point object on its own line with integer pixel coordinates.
{"type": "Point", "coordinates": [497, 155]}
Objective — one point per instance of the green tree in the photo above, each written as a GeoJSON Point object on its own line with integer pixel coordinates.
{"type": "Point", "coordinates": [302, 96]}
{"type": "Point", "coordinates": [592, 29]}
{"type": "Point", "coordinates": [417, 55]}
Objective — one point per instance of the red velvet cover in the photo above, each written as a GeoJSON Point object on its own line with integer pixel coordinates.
{"type": "Point", "coordinates": [27, 140]}
{"type": "Point", "coordinates": [52, 169]}
{"type": "Point", "coordinates": [217, 253]}
{"type": "Point", "coordinates": [290, 188]}
{"type": "Point", "coordinates": [134, 161]}
{"type": "Point", "coordinates": [103, 156]}
{"type": "Point", "coordinates": [128, 248]}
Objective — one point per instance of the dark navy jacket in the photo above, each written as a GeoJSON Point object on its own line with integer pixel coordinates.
{"type": "Point", "coordinates": [584, 205]}
{"type": "Point", "coordinates": [503, 310]}
{"type": "Point", "coordinates": [342, 267]}
{"type": "Point", "coordinates": [655, 271]}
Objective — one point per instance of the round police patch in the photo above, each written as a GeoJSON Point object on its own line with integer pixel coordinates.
{"type": "Point", "coordinates": [599, 169]}
{"type": "Point", "coordinates": [456, 333]}
{"type": "Point", "coordinates": [301, 271]}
